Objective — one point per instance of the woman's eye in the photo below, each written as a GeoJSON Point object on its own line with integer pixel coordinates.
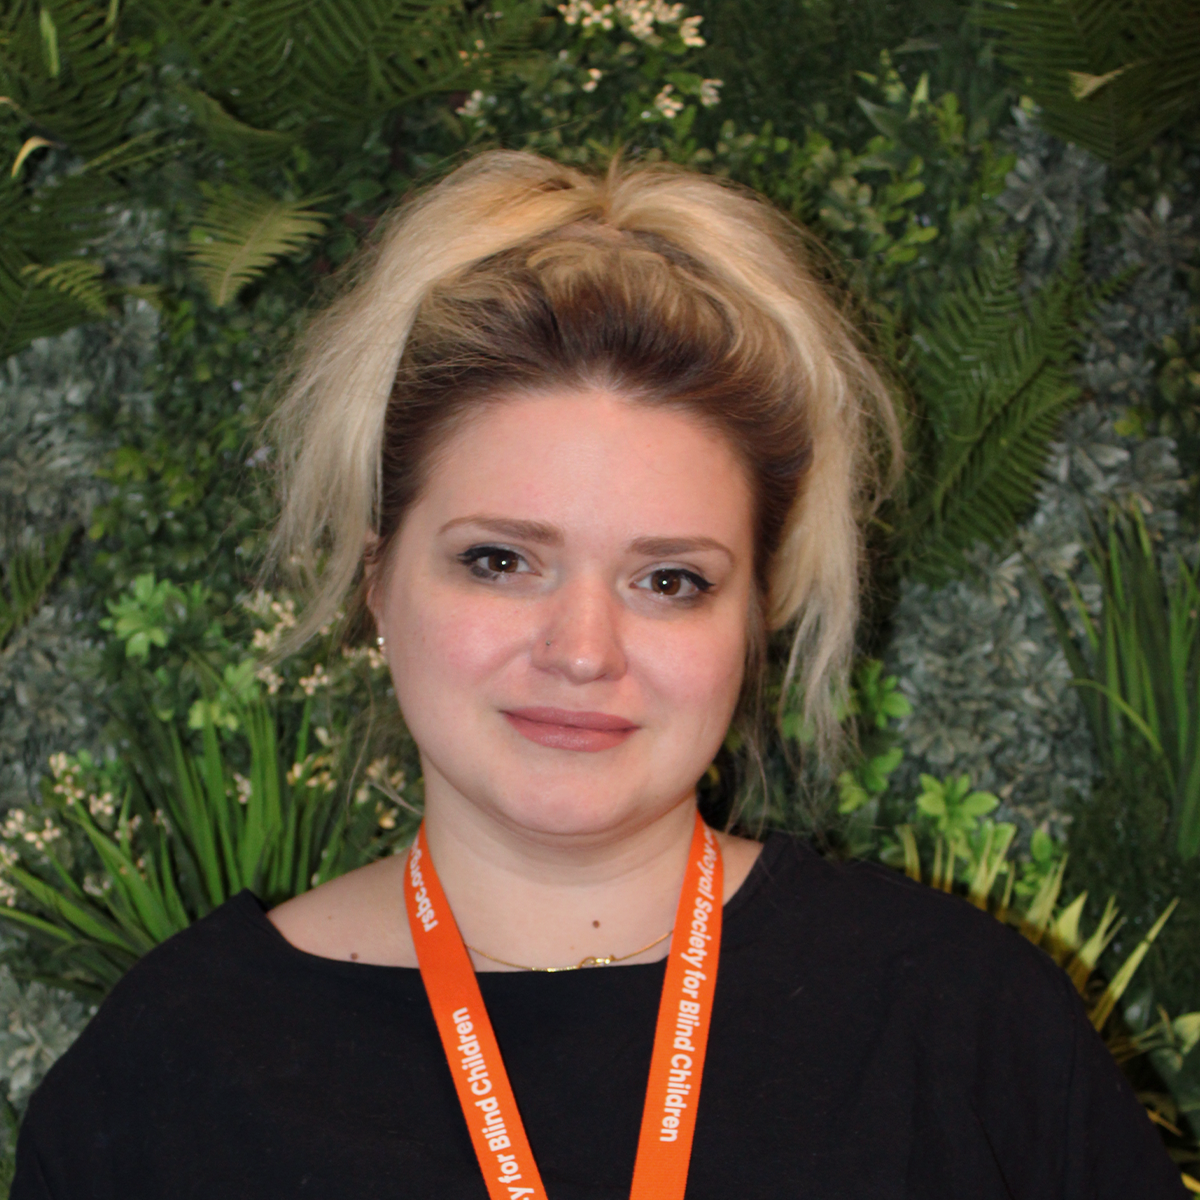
{"type": "Point", "coordinates": [675, 582]}
{"type": "Point", "coordinates": [490, 561]}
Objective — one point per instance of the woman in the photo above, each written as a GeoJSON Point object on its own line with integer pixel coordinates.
{"type": "Point", "coordinates": [577, 444]}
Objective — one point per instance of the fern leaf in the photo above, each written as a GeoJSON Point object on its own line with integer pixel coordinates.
{"type": "Point", "coordinates": [30, 145]}
{"type": "Point", "coordinates": [993, 375]}
{"type": "Point", "coordinates": [277, 64]}
{"type": "Point", "coordinates": [28, 309]}
{"type": "Point", "coordinates": [27, 578]}
{"type": "Point", "coordinates": [53, 225]}
{"type": "Point", "coordinates": [1108, 75]}
{"type": "Point", "coordinates": [229, 135]}
{"type": "Point", "coordinates": [239, 235]}
{"type": "Point", "coordinates": [79, 278]}
{"type": "Point", "coordinates": [61, 65]}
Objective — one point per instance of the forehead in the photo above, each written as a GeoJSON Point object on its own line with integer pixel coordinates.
{"type": "Point", "coordinates": [592, 461]}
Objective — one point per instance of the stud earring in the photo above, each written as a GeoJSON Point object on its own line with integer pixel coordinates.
{"type": "Point", "coordinates": [379, 641]}
{"type": "Point", "coordinates": [547, 643]}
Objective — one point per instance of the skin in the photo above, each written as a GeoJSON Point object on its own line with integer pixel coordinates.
{"type": "Point", "coordinates": [578, 552]}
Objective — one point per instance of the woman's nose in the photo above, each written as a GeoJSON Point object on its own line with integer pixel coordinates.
{"type": "Point", "coordinates": [581, 636]}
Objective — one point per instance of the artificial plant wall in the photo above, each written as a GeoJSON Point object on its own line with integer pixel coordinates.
{"type": "Point", "coordinates": [183, 179]}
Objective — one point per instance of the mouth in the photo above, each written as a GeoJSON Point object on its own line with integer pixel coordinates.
{"type": "Point", "coordinates": [566, 729]}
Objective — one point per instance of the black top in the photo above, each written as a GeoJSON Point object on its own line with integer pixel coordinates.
{"type": "Point", "coordinates": [871, 1038]}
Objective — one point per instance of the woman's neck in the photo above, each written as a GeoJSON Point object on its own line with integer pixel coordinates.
{"type": "Point", "coordinates": [550, 900]}
{"type": "Point", "coordinates": [530, 899]}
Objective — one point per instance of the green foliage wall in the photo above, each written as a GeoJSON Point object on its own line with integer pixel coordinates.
{"type": "Point", "coordinates": [893, 129]}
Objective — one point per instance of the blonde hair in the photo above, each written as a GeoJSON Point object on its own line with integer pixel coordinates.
{"type": "Point", "coordinates": [515, 274]}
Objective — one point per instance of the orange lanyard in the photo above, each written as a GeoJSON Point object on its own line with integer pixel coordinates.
{"type": "Point", "coordinates": [680, 1038]}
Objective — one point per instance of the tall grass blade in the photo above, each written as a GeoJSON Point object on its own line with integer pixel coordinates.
{"type": "Point", "coordinates": [912, 856]}
{"type": "Point", "coordinates": [1041, 908]}
{"type": "Point", "coordinates": [1088, 955]}
{"type": "Point", "coordinates": [1120, 981]}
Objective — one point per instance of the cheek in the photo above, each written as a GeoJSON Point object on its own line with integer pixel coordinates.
{"type": "Point", "coordinates": [696, 671]}
{"type": "Point", "coordinates": [457, 639]}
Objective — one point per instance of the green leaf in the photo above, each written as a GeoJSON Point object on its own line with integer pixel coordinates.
{"type": "Point", "coordinates": [1107, 75]}
{"type": "Point", "coordinates": [876, 770]}
{"type": "Point", "coordinates": [1041, 846]}
{"type": "Point", "coordinates": [240, 234]}
{"type": "Point", "coordinates": [79, 278]}
{"type": "Point", "coordinates": [231, 136]}
{"type": "Point", "coordinates": [1137, 670]}
{"type": "Point", "coordinates": [993, 373]}
{"type": "Point", "coordinates": [889, 122]}
{"type": "Point", "coordinates": [333, 63]}
{"type": "Point", "coordinates": [978, 803]}
{"type": "Point", "coordinates": [50, 42]}
{"type": "Point", "coordinates": [851, 794]}
{"type": "Point", "coordinates": [1120, 981]}
{"type": "Point", "coordinates": [140, 617]}
{"type": "Point", "coordinates": [27, 148]}
{"type": "Point", "coordinates": [28, 576]}
{"type": "Point", "coordinates": [932, 804]}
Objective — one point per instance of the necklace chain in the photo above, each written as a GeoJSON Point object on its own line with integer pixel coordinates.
{"type": "Point", "coordinates": [604, 960]}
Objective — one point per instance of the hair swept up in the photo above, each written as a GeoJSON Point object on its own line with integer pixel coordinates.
{"type": "Point", "coordinates": [726, 244]}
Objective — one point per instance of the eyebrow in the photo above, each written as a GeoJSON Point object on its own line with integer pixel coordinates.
{"type": "Point", "coordinates": [526, 531]}
{"type": "Point", "coordinates": [551, 535]}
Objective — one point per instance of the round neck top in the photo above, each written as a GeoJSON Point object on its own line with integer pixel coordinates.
{"type": "Point", "coordinates": [871, 1038]}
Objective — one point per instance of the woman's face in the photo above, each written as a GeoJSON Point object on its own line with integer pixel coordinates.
{"type": "Point", "coordinates": [565, 611]}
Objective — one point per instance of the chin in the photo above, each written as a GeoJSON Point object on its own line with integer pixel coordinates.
{"type": "Point", "coordinates": [572, 804]}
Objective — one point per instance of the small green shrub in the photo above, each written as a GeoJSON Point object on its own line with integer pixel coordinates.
{"type": "Point", "coordinates": [1138, 670]}
{"type": "Point", "coordinates": [225, 769]}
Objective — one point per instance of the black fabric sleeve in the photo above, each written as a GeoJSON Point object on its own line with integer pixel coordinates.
{"type": "Point", "coordinates": [1113, 1151]}
{"type": "Point", "coordinates": [76, 1121]}
{"type": "Point", "coordinates": [28, 1183]}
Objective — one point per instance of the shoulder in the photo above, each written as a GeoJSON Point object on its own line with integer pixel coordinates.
{"type": "Point", "coordinates": [955, 1013]}
{"type": "Point", "coordinates": [873, 926]}
{"type": "Point", "coordinates": [186, 984]}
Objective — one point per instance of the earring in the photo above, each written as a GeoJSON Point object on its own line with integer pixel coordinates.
{"type": "Point", "coordinates": [379, 641]}
{"type": "Point", "coordinates": [547, 643]}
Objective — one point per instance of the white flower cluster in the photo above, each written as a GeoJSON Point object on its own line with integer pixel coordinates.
{"type": "Point", "coordinates": [264, 605]}
{"type": "Point", "coordinates": [638, 16]}
{"type": "Point", "coordinates": [314, 771]}
{"type": "Point", "coordinates": [689, 31]}
{"type": "Point", "coordinates": [318, 679]}
{"type": "Point", "coordinates": [102, 806]}
{"type": "Point", "coordinates": [66, 772]}
{"type": "Point", "coordinates": [474, 104]}
{"type": "Point", "coordinates": [668, 104]}
{"type": "Point", "coordinates": [8, 858]}
{"type": "Point", "coordinates": [282, 614]}
{"type": "Point", "coordinates": [268, 675]}
{"type": "Point", "coordinates": [710, 92]}
{"type": "Point", "coordinates": [586, 14]}
{"type": "Point", "coordinates": [97, 885]}
{"type": "Point", "coordinates": [375, 658]}
{"type": "Point", "coordinates": [380, 777]}
{"type": "Point", "coordinates": [19, 827]}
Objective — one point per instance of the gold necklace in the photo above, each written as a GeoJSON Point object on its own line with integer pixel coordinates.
{"type": "Point", "coordinates": [604, 960]}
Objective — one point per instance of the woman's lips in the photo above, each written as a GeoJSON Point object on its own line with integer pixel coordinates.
{"type": "Point", "coordinates": [564, 729]}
